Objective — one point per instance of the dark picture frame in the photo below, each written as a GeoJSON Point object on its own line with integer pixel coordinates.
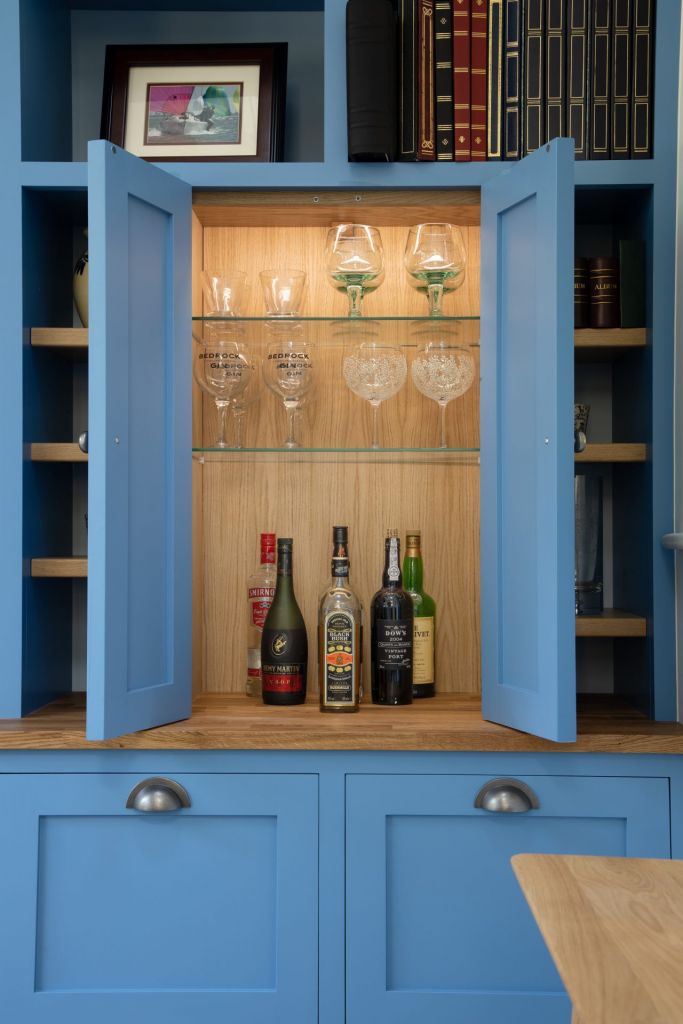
{"type": "Point", "coordinates": [196, 102]}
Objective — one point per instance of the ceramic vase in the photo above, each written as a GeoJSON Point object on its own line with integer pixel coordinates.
{"type": "Point", "coordinates": [80, 287]}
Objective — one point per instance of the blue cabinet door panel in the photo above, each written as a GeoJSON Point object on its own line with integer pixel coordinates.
{"type": "Point", "coordinates": [527, 452]}
{"type": "Point", "coordinates": [437, 926]}
{"type": "Point", "coordinates": [139, 490]}
{"type": "Point", "coordinates": [207, 913]}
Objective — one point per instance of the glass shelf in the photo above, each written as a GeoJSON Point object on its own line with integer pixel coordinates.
{"type": "Point", "coordinates": [424, 456]}
{"type": "Point", "coordinates": [405, 332]}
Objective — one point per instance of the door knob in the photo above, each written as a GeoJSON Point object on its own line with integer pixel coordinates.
{"type": "Point", "coordinates": [506, 796]}
{"type": "Point", "coordinates": [158, 796]}
{"type": "Point", "coordinates": [673, 541]}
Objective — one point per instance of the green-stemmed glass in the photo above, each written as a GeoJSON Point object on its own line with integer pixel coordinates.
{"type": "Point", "coordinates": [435, 258]}
{"type": "Point", "coordinates": [355, 261]}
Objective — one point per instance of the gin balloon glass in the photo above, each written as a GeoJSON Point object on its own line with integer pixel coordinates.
{"type": "Point", "coordinates": [355, 261]}
{"type": "Point", "coordinates": [288, 372]}
{"type": "Point", "coordinates": [223, 369]}
{"type": "Point", "coordinates": [443, 371]}
{"type": "Point", "coordinates": [435, 258]}
{"type": "Point", "coordinates": [375, 373]}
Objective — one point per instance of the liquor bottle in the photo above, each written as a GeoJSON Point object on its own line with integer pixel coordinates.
{"type": "Point", "coordinates": [391, 645]}
{"type": "Point", "coordinates": [260, 593]}
{"type": "Point", "coordinates": [424, 621]}
{"type": "Point", "coordinates": [339, 634]}
{"type": "Point", "coordinates": [284, 644]}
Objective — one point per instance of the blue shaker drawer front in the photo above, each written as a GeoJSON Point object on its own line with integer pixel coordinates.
{"type": "Point", "coordinates": [207, 912]}
{"type": "Point", "coordinates": [437, 927]}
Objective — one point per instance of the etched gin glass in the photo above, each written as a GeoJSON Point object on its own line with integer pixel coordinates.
{"type": "Point", "coordinates": [443, 371]}
{"type": "Point", "coordinates": [435, 258]}
{"type": "Point", "coordinates": [355, 261]}
{"type": "Point", "coordinates": [223, 369]}
{"type": "Point", "coordinates": [288, 371]}
{"type": "Point", "coordinates": [375, 373]}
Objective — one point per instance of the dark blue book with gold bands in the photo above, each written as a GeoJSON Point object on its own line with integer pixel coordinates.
{"type": "Point", "coordinates": [578, 74]}
{"type": "Point", "coordinates": [555, 109]}
{"type": "Point", "coordinates": [513, 62]}
{"type": "Point", "coordinates": [534, 75]}
{"type": "Point", "coordinates": [641, 100]}
{"type": "Point", "coordinates": [600, 110]}
{"type": "Point", "coordinates": [443, 78]}
{"type": "Point", "coordinates": [622, 15]}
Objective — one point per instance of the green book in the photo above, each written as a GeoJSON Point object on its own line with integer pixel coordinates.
{"type": "Point", "coordinates": [632, 283]}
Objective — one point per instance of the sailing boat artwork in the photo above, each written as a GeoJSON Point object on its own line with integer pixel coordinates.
{"type": "Point", "coordinates": [187, 114]}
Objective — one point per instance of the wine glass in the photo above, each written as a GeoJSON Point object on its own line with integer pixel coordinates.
{"type": "Point", "coordinates": [223, 369]}
{"type": "Point", "coordinates": [375, 373]}
{"type": "Point", "coordinates": [282, 291]}
{"type": "Point", "coordinates": [288, 372]}
{"type": "Point", "coordinates": [442, 371]}
{"type": "Point", "coordinates": [224, 292]}
{"type": "Point", "coordinates": [435, 258]}
{"type": "Point", "coordinates": [355, 261]}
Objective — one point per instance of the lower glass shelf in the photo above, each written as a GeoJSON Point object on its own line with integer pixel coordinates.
{"type": "Point", "coordinates": [429, 456]}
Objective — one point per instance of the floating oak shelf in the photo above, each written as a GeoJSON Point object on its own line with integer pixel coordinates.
{"type": "Point", "coordinates": [59, 337]}
{"type": "Point", "coordinates": [608, 343]}
{"type": "Point", "coordinates": [611, 622]}
{"type": "Point", "coordinates": [59, 568]}
{"type": "Point", "coordinates": [57, 452]}
{"type": "Point", "coordinates": [613, 453]}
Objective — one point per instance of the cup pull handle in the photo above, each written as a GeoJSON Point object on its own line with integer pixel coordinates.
{"type": "Point", "coordinates": [506, 796]}
{"type": "Point", "coordinates": [155, 796]}
{"type": "Point", "coordinates": [673, 541]}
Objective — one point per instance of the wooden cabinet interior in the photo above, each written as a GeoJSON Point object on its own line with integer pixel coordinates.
{"type": "Point", "coordinates": [234, 500]}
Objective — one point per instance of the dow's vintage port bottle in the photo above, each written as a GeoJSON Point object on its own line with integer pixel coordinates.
{"type": "Point", "coordinates": [284, 644]}
{"type": "Point", "coordinates": [391, 646]}
{"type": "Point", "coordinates": [424, 622]}
{"type": "Point", "coordinates": [339, 634]}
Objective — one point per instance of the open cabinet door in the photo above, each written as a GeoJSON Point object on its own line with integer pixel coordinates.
{"type": "Point", "coordinates": [527, 460]}
{"type": "Point", "coordinates": [139, 488]}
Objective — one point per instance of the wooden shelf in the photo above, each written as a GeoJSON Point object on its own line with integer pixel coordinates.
{"type": "Point", "coordinates": [611, 622]}
{"type": "Point", "coordinates": [613, 453]}
{"type": "Point", "coordinates": [57, 452]}
{"type": "Point", "coordinates": [59, 568]}
{"type": "Point", "coordinates": [617, 339]}
{"type": "Point", "coordinates": [69, 339]}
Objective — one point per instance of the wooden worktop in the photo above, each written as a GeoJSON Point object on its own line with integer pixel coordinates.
{"type": "Point", "coordinates": [231, 722]}
{"type": "Point", "coordinates": [614, 927]}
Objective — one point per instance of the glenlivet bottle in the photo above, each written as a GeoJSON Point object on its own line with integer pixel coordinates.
{"type": "Point", "coordinates": [339, 634]}
{"type": "Point", "coordinates": [260, 593]}
{"type": "Point", "coordinates": [391, 645]}
{"type": "Point", "coordinates": [424, 622]}
{"type": "Point", "coordinates": [284, 644]}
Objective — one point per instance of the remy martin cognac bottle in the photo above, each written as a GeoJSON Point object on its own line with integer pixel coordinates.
{"type": "Point", "coordinates": [284, 644]}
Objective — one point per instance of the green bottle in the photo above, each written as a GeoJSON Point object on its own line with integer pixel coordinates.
{"type": "Point", "coordinates": [284, 644]}
{"type": "Point", "coordinates": [424, 621]}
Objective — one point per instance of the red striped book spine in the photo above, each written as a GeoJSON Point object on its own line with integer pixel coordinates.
{"type": "Point", "coordinates": [462, 10]}
{"type": "Point", "coordinates": [478, 62]}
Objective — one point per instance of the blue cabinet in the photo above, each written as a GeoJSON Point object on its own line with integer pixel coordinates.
{"type": "Point", "coordinates": [206, 913]}
{"type": "Point", "coordinates": [437, 928]}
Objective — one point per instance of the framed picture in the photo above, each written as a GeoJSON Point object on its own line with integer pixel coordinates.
{"type": "Point", "coordinates": [197, 102]}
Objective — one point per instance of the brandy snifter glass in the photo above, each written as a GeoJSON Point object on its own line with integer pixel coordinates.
{"type": "Point", "coordinates": [354, 259]}
{"type": "Point", "coordinates": [435, 257]}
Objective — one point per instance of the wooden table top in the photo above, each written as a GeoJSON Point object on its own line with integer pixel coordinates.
{"type": "Point", "coordinates": [614, 927]}
{"type": "Point", "coordinates": [446, 722]}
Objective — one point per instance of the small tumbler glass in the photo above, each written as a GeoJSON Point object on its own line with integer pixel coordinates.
{"type": "Point", "coordinates": [283, 291]}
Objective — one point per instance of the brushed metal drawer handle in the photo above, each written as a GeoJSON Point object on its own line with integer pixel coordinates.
{"type": "Point", "coordinates": [506, 796]}
{"type": "Point", "coordinates": [158, 796]}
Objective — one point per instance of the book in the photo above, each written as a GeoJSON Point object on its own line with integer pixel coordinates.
{"type": "Point", "coordinates": [443, 78]}
{"type": "Point", "coordinates": [632, 283]}
{"type": "Point", "coordinates": [494, 74]}
{"type": "Point", "coordinates": [622, 11]}
{"type": "Point", "coordinates": [407, 99]}
{"type": "Point", "coordinates": [578, 75]}
{"type": "Point", "coordinates": [534, 66]}
{"type": "Point", "coordinates": [603, 281]}
{"type": "Point", "coordinates": [478, 62]}
{"type": "Point", "coordinates": [641, 98]}
{"type": "Point", "coordinates": [600, 84]}
{"type": "Point", "coordinates": [581, 294]}
{"type": "Point", "coordinates": [426, 122]}
{"type": "Point", "coordinates": [462, 20]}
{"type": "Point", "coordinates": [555, 110]}
{"type": "Point", "coordinates": [371, 79]}
{"type": "Point", "coordinates": [513, 59]}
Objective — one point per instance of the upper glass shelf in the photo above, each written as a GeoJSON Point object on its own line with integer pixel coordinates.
{"type": "Point", "coordinates": [408, 332]}
{"type": "Point", "coordinates": [377, 456]}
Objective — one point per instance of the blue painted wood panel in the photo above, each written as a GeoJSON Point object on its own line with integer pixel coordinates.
{"type": "Point", "coordinates": [527, 460]}
{"type": "Point", "coordinates": [437, 927]}
{"type": "Point", "coordinates": [139, 488]}
{"type": "Point", "coordinates": [206, 914]}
